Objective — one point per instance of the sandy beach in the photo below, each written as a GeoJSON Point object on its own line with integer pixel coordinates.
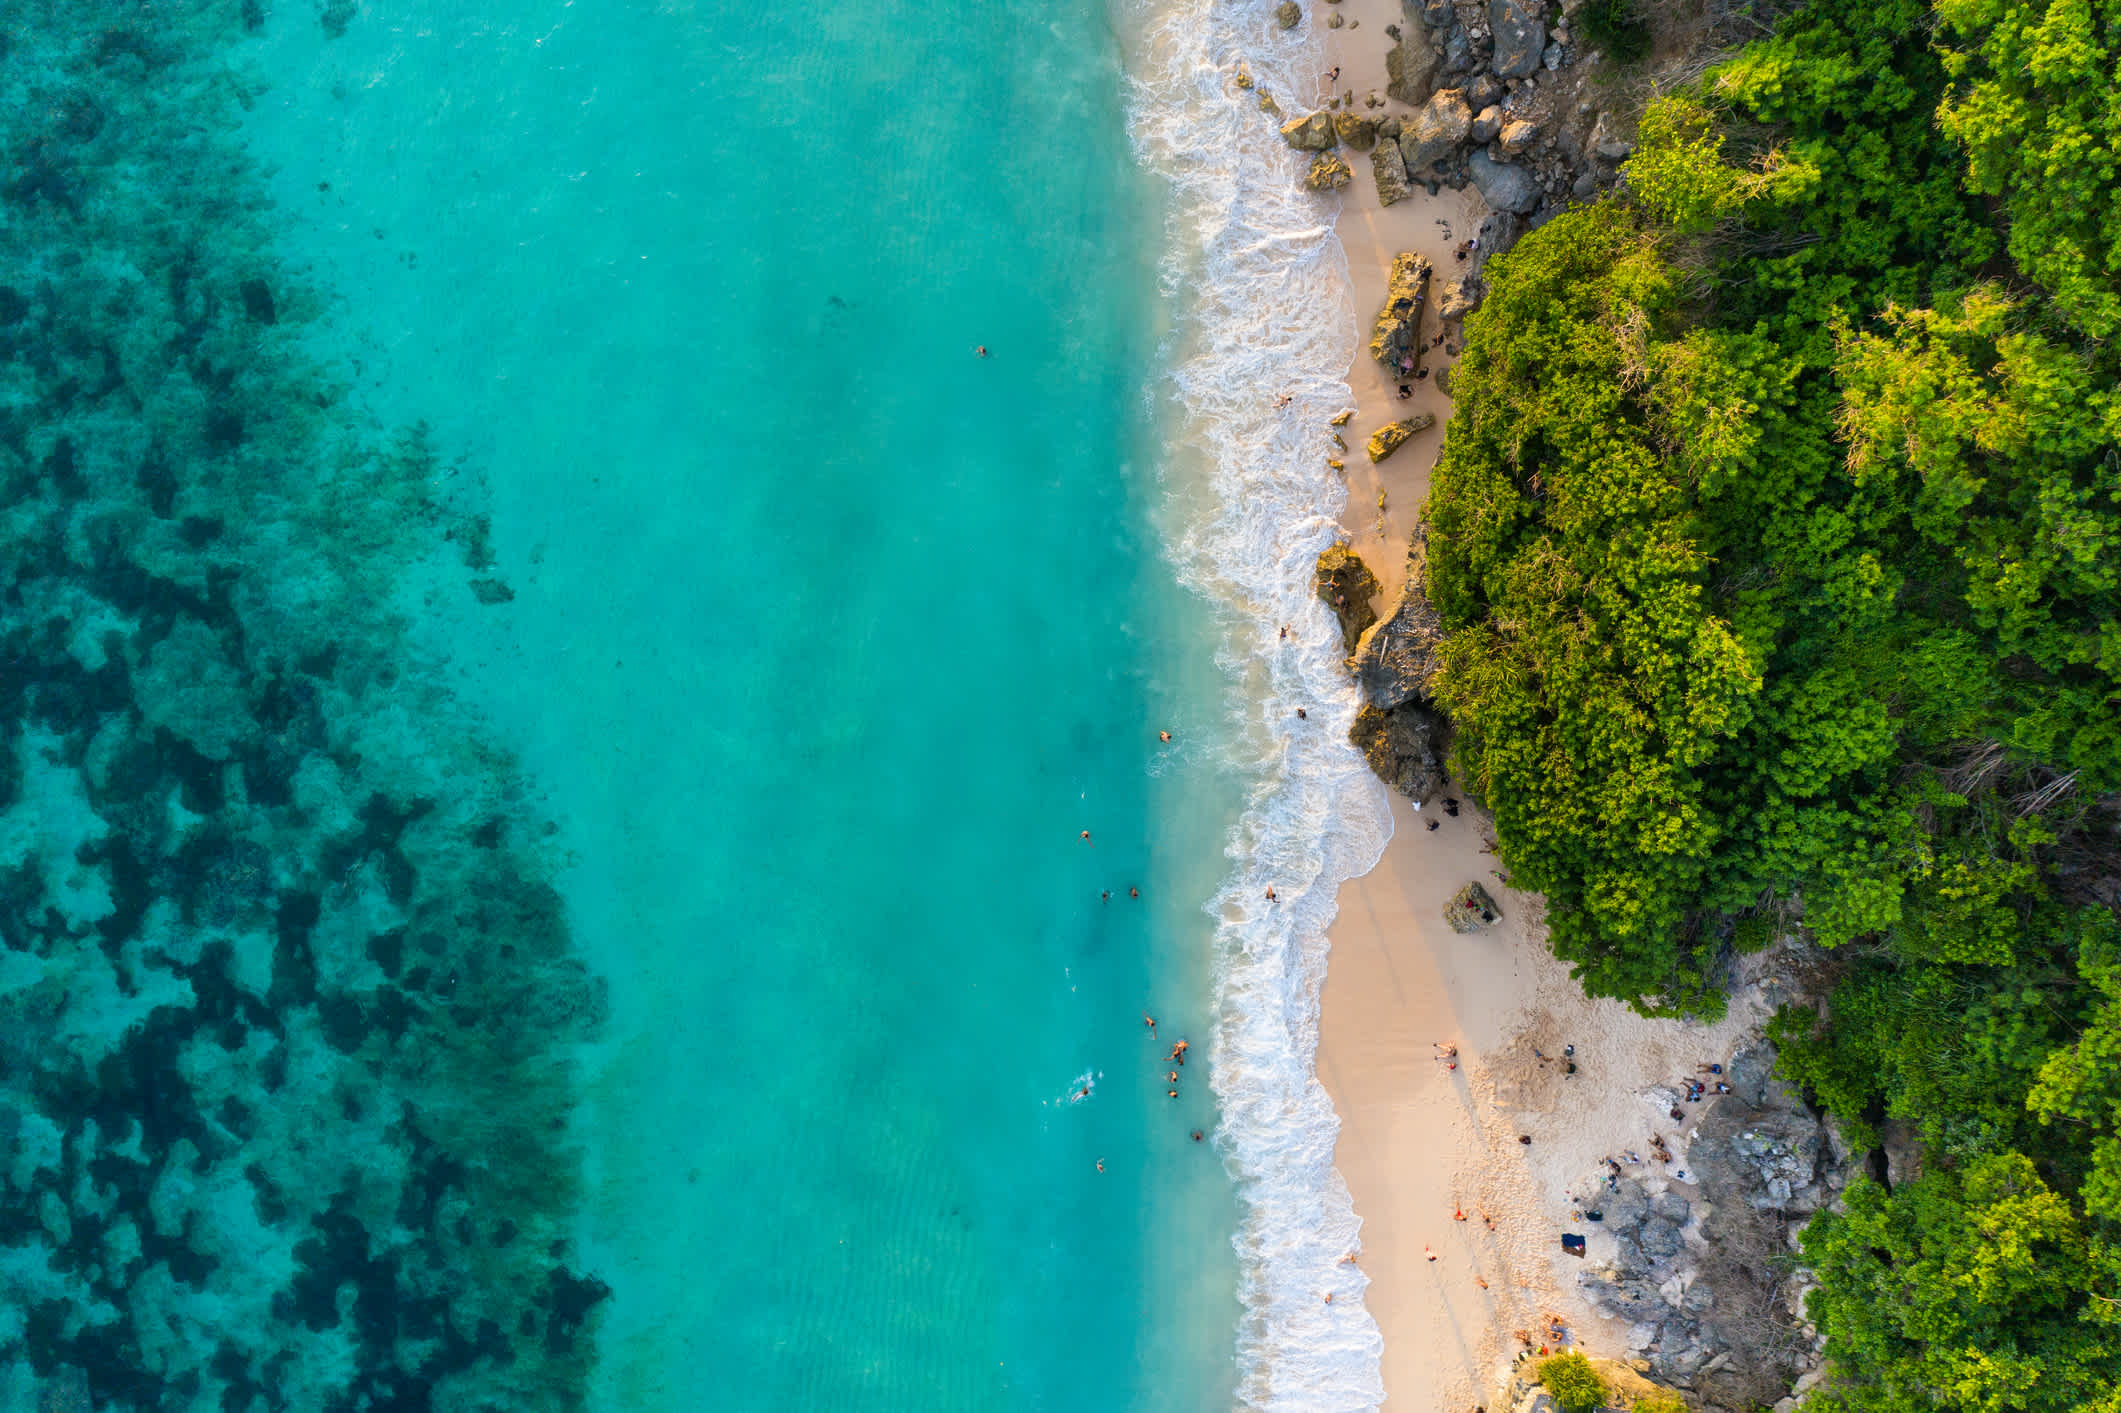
{"type": "Point", "coordinates": [1433, 1154]}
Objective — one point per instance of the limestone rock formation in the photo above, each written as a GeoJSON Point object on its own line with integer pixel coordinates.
{"type": "Point", "coordinates": [1346, 585]}
{"type": "Point", "coordinates": [1396, 341]}
{"type": "Point", "coordinates": [1289, 13]}
{"type": "Point", "coordinates": [1394, 435]}
{"type": "Point", "coordinates": [1435, 132]}
{"type": "Point", "coordinates": [1520, 36]}
{"type": "Point", "coordinates": [1328, 172]}
{"type": "Point", "coordinates": [1390, 171]}
{"type": "Point", "coordinates": [1396, 657]}
{"type": "Point", "coordinates": [1471, 909]}
{"type": "Point", "coordinates": [1355, 132]}
{"type": "Point", "coordinates": [1404, 746]}
{"type": "Point", "coordinates": [1503, 185]}
{"type": "Point", "coordinates": [1313, 132]}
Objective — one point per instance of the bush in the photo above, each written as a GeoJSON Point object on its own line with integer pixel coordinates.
{"type": "Point", "coordinates": [1573, 1382]}
{"type": "Point", "coordinates": [1662, 1401]}
{"type": "Point", "coordinates": [1618, 28]}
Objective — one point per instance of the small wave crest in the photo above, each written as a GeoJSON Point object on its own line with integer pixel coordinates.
{"type": "Point", "coordinates": [1258, 287]}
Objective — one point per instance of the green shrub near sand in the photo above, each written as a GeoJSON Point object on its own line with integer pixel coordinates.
{"type": "Point", "coordinates": [1663, 1401]}
{"type": "Point", "coordinates": [1573, 1382]}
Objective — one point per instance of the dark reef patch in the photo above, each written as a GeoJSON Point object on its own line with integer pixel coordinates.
{"type": "Point", "coordinates": [288, 996]}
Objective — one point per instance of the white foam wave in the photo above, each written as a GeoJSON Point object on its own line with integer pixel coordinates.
{"type": "Point", "coordinates": [1259, 292]}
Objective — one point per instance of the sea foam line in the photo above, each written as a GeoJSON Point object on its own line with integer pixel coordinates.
{"type": "Point", "coordinates": [1258, 286]}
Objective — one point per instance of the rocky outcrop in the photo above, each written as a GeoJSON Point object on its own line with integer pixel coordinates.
{"type": "Point", "coordinates": [1394, 435]}
{"type": "Point", "coordinates": [1515, 137]}
{"type": "Point", "coordinates": [1699, 1269]}
{"type": "Point", "coordinates": [1520, 36]}
{"type": "Point", "coordinates": [1357, 133]}
{"type": "Point", "coordinates": [1390, 171]}
{"type": "Point", "coordinates": [1397, 657]}
{"type": "Point", "coordinates": [1396, 340]}
{"type": "Point", "coordinates": [1404, 746]}
{"type": "Point", "coordinates": [1313, 132]}
{"type": "Point", "coordinates": [1289, 13]}
{"type": "Point", "coordinates": [1504, 185]}
{"type": "Point", "coordinates": [1435, 132]}
{"type": "Point", "coordinates": [1346, 585]}
{"type": "Point", "coordinates": [1328, 172]}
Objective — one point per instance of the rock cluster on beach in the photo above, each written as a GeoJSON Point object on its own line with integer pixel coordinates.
{"type": "Point", "coordinates": [1399, 730]}
{"type": "Point", "coordinates": [1705, 1283]}
{"type": "Point", "coordinates": [1396, 339]}
{"type": "Point", "coordinates": [1394, 435]}
{"type": "Point", "coordinates": [1346, 586]}
{"type": "Point", "coordinates": [287, 996]}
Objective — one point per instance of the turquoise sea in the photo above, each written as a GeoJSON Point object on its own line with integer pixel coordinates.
{"type": "Point", "coordinates": [581, 571]}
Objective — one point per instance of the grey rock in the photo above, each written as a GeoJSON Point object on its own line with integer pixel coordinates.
{"type": "Point", "coordinates": [1486, 124]}
{"type": "Point", "coordinates": [1471, 909]}
{"type": "Point", "coordinates": [1659, 1237]}
{"type": "Point", "coordinates": [1520, 36]}
{"type": "Point", "coordinates": [1503, 185]}
{"type": "Point", "coordinates": [1671, 1207]}
{"type": "Point", "coordinates": [1431, 134]}
{"type": "Point", "coordinates": [1289, 13]}
{"type": "Point", "coordinates": [1585, 186]}
{"type": "Point", "coordinates": [1555, 56]}
{"type": "Point", "coordinates": [1516, 136]}
{"type": "Point", "coordinates": [1457, 52]}
{"type": "Point", "coordinates": [1389, 126]}
{"type": "Point", "coordinates": [1438, 15]}
{"type": "Point", "coordinates": [1313, 132]}
{"type": "Point", "coordinates": [1411, 65]}
{"type": "Point", "coordinates": [1391, 173]}
{"type": "Point", "coordinates": [1397, 656]}
{"type": "Point", "coordinates": [1607, 139]}
{"type": "Point", "coordinates": [1483, 90]}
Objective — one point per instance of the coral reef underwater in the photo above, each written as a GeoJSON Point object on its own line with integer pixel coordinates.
{"type": "Point", "coordinates": [288, 1003]}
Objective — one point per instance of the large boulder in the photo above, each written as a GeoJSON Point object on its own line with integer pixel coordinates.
{"type": "Point", "coordinates": [1460, 297]}
{"type": "Point", "coordinates": [1346, 586]}
{"type": "Point", "coordinates": [1471, 909]}
{"type": "Point", "coordinates": [1486, 124]}
{"type": "Point", "coordinates": [1354, 132]}
{"type": "Point", "coordinates": [1313, 132]}
{"type": "Point", "coordinates": [1328, 173]}
{"type": "Point", "coordinates": [1503, 185]}
{"type": "Point", "coordinates": [1289, 13]}
{"type": "Point", "coordinates": [1396, 657]}
{"type": "Point", "coordinates": [1520, 36]}
{"type": "Point", "coordinates": [1411, 65]}
{"type": "Point", "coordinates": [1396, 341]}
{"type": "Point", "coordinates": [1394, 435]}
{"type": "Point", "coordinates": [1404, 746]}
{"type": "Point", "coordinates": [1435, 132]}
{"type": "Point", "coordinates": [1391, 173]}
{"type": "Point", "coordinates": [1516, 136]}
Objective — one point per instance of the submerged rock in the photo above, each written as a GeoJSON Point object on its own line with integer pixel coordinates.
{"type": "Point", "coordinates": [1346, 585]}
{"type": "Point", "coordinates": [1289, 13]}
{"type": "Point", "coordinates": [1390, 170]}
{"type": "Point", "coordinates": [1404, 746]}
{"type": "Point", "coordinates": [1396, 340]}
{"type": "Point", "coordinates": [1328, 173]}
{"type": "Point", "coordinates": [1435, 132]}
{"type": "Point", "coordinates": [1504, 185]}
{"type": "Point", "coordinates": [1394, 435]}
{"type": "Point", "coordinates": [1471, 909]}
{"type": "Point", "coordinates": [1313, 132]}
{"type": "Point", "coordinates": [1396, 657]}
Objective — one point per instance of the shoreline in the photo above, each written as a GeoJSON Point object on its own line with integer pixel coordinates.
{"type": "Point", "coordinates": [1419, 1143]}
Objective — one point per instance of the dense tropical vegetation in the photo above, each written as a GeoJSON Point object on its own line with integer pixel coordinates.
{"type": "Point", "coordinates": [1779, 533]}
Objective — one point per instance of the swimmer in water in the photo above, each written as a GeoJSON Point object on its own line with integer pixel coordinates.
{"type": "Point", "coordinates": [1164, 736]}
{"type": "Point", "coordinates": [982, 351]}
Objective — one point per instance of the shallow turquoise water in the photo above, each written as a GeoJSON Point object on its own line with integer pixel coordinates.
{"type": "Point", "coordinates": [828, 638]}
